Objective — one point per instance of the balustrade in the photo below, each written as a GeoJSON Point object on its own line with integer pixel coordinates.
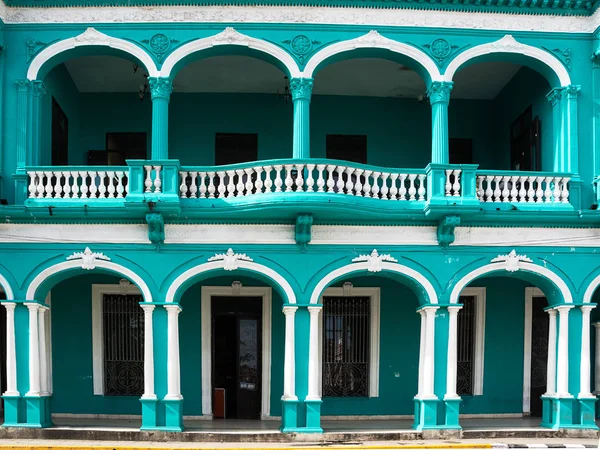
{"type": "Point", "coordinates": [521, 187]}
{"type": "Point", "coordinates": [304, 178]}
{"type": "Point", "coordinates": [103, 183]}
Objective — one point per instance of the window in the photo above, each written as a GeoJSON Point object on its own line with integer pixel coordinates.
{"type": "Point", "coordinates": [349, 342]}
{"type": "Point", "coordinates": [233, 148]}
{"type": "Point", "coordinates": [461, 151]}
{"type": "Point", "coordinates": [347, 147]}
{"type": "Point", "coordinates": [471, 321]}
{"type": "Point", "coordinates": [118, 340]}
{"type": "Point", "coordinates": [119, 148]}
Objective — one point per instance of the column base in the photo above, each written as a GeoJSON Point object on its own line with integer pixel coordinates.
{"type": "Point", "coordinates": [587, 412]}
{"type": "Point", "coordinates": [13, 404]}
{"type": "Point", "coordinates": [426, 414]}
{"type": "Point", "coordinates": [451, 413]}
{"type": "Point", "coordinates": [38, 412]}
{"type": "Point", "coordinates": [173, 415]}
{"type": "Point", "coordinates": [557, 412]}
{"type": "Point", "coordinates": [149, 414]}
{"type": "Point", "coordinates": [313, 415]}
{"type": "Point", "coordinates": [289, 416]}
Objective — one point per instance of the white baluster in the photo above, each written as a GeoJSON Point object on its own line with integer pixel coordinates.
{"type": "Point", "coordinates": [111, 184]}
{"type": "Point", "coordinates": [193, 189]}
{"type": "Point", "coordinates": [259, 182]}
{"type": "Point", "coordinates": [289, 181]}
{"type": "Point", "coordinates": [556, 191]}
{"type": "Point", "coordinates": [211, 184]}
{"type": "Point", "coordinates": [101, 184]}
{"type": "Point", "coordinates": [367, 185]}
{"type": "Point", "coordinates": [49, 189]}
{"type": "Point", "coordinates": [148, 180]}
{"type": "Point", "coordinates": [220, 180]}
{"type": "Point", "coordinates": [239, 187]}
{"type": "Point", "coordinates": [375, 188]}
{"type": "Point", "coordinates": [320, 180]}
{"type": "Point", "coordinates": [530, 190]}
{"type": "Point", "coordinates": [201, 186]}
{"type": "Point", "coordinates": [522, 190]}
{"type": "Point", "coordinates": [268, 180]}
{"type": "Point", "coordinates": [358, 187]}
{"type": "Point", "coordinates": [310, 181]}
{"type": "Point", "coordinates": [183, 189]}
{"type": "Point", "coordinates": [32, 188]}
{"type": "Point", "coordinates": [505, 191]}
{"type": "Point", "coordinates": [489, 179]}
{"type": "Point", "coordinates": [330, 181]}
{"type": "Point", "coordinates": [480, 190]}
{"type": "Point", "coordinates": [456, 184]}
{"type": "Point", "coordinates": [249, 182]}
{"type": "Point", "coordinates": [157, 179]}
{"type": "Point", "coordinates": [384, 187]}
{"type": "Point", "coordinates": [565, 190]}
{"type": "Point", "coordinates": [513, 188]}
{"type": "Point", "coordinates": [393, 187]}
{"type": "Point", "coordinates": [411, 188]}
{"type": "Point", "coordinates": [76, 190]}
{"type": "Point", "coordinates": [402, 182]}
{"type": "Point", "coordinates": [497, 191]}
{"type": "Point", "coordinates": [448, 185]}
{"type": "Point", "coordinates": [299, 177]}
{"type": "Point", "coordinates": [67, 187]}
{"type": "Point", "coordinates": [58, 185]}
{"type": "Point", "coordinates": [230, 183]}
{"type": "Point", "coordinates": [340, 180]}
{"type": "Point", "coordinates": [422, 190]}
{"type": "Point", "coordinates": [40, 184]}
{"type": "Point", "coordinates": [539, 192]}
{"type": "Point", "coordinates": [84, 187]}
{"type": "Point", "coordinates": [349, 182]}
{"type": "Point", "coordinates": [278, 180]}
{"type": "Point", "coordinates": [548, 190]}
{"type": "Point", "coordinates": [120, 187]}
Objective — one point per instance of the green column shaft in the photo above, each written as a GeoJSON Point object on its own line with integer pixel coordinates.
{"type": "Point", "coordinates": [22, 116]}
{"type": "Point", "coordinates": [160, 89]}
{"type": "Point", "coordinates": [36, 123]}
{"type": "Point", "coordinates": [558, 129]}
{"type": "Point", "coordinates": [301, 89]}
{"type": "Point", "coordinates": [572, 157]}
{"type": "Point", "coordinates": [439, 97]}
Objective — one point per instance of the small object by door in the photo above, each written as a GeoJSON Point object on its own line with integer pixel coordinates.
{"type": "Point", "coordinates": [220, 410]}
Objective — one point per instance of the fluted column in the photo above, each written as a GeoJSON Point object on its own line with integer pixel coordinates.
{"type": "Point", "coordinates": [585, 369]}
{"type": "Point", "coordinates": [301, 89]}
{"type": "Point", "coordinates": [160, 90]}
{"type": "Point", "coordinates": [427, 392]}
{"type": "Point", "coordinates": [148, 353]}
{"type": "Point", "coordinates": [11, 351]}
{"type": "Point", "coordinates": [572, 145]}
{"type": "Point", "coordinates": [562, 377]}
{"type": "Point", "coordinates": [555, 97]}
{"type": "Point", "coordinates": [313, 354]}
{"type": "Point", "coordinates": [173, 367]}
{"type": "Point", "coordinates": [44, 363]}
{"type": "Point", "coordinates": [452, 353]}
{"type": "Point", "coordinates": [39, 90]}
{"type": "Point", "coordinates": [34, 350]}
{"type": "Point", "coordinates": [439, 98]}
{"type": "Point", "coordinates": [22, 111]}
{"type": "Point", "coordinates": [551, 366]}
{"type": "Point", "coordinates": [289, 364]}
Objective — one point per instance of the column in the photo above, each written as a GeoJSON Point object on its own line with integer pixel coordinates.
{"type": "Point", "coordinates": [452, 353]}
{"type": "Point", "coordinates": [160, 90]}
{"type": "Point", "coordinates": [585, 369]}
{"type": "Point", "coordinates": [551, 367]}
{"type": "Point", "coordinates": [554, 97]}
{"type": "Point", "coordinates": [597, 360]}
{"type": "Point", "coordinates": [289, 365]}
{"type": "Point", "coordinates": [439, 98]}
{"type": "Point", "coordinates": [44, 376]}
{"type": "Point", "coordinates": [149, 353]}
{"type": "Point", "coordinates": [301, 89]}
{"type": "Point", "coordinates": [34, 350]}
{"type": "Point", "coordinates": [11, 351]}
{"type": "Point", "coordinates": [173, 387]}
{"type": "Point", "coordinates": [572, 146]}
{"type": "Point", "coordinates": [562, 378]}
{"type": "Point", "coordinates": [313, 359]}
{"type": "Point", "coordinates": [36, 149]}
{"type": "Point", "coordinates": [21, 138]}
{"type": "Point", "coordinates": [421, 352]}
{"type": "Point", "coordinates": [429, 357]}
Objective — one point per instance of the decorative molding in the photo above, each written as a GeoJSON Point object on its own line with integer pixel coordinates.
{"type": "Point", "coordinates": [303, 228]}
{"type": "Point", "coordinates": [156, 228]}
{"type": "Point", "coordinates": [512, 261]}
{"type": "Point", "coordinates": [564, 54]}
{"type": "Point", "coordinates": [572, 91]}
{"type": "Point", "coordinates": [33, 46]}
{"type": "Point", "coordinates": [88, 258]}
{"type": "Point", "coordinates": [230, 36]}
{"type": "Point", "coordinates": [301, 88]}
{"type": "Point", "coordinates": [439, 92]}
{"type": "Point", "coordinates": [301, 46]}
{"type": "Point", "coordinates": [92, 36]}
{"type": "Point", "coordinates": [39, 88]}
{"type": "Point", "coordinates": [555, 95]}
{"type": "Point", "coordinates": [159, 45]}
{"type": "Point", "coordinates": [230, 259]}
{"type": "Point", "coordinates": [160, 87]}
{"type": "Point", "coordinates": [375, 260]}
{"type": "Point", "coordinates": [441, 50]}
{"type": "Point", "coordinates": [445, 230]}
{"type": "Point", "coordinates": [22, 84]}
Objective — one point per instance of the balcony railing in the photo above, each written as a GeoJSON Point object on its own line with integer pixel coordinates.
{"type": "Point", "coordinates": [522, 187]}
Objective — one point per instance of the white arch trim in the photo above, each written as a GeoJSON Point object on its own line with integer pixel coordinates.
{"type": "Point", "coordinates": [229, 37]}
{"type": "Point", "coordinates": [512, 265]}
{"type": "Point", "coordinates": [216, 265]}
{"type": "Point", "coordinates": [91, 37]}
{"type": "Point", "coordinates": [7, 289]}
{"type": "Point", "coordinates": [76, 264]}
{"type": "Point", "coordinates": [589, 292]}
{"type": "Point", "coordinates": [373, 40]}
{"type": "Point", "coordinates": [508, 44]}
{"type": "Point", "coordinates": [364, 267]}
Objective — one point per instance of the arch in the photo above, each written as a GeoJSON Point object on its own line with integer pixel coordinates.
{"type": "Point", "coordinates": [7, 288]}
{"type": "Point", "coordinates": [91, 37]}
{"type": "Point", "coordinates": [229, 37]}
{"type": "Point", "coordinates": [77, 264]}
{"type": "Point", "coordinates": [589, 292]}
{"type": "Point", "coordinates": [376, 41]}
{"type": "Point", "coordinates": [508, 44]}
{"type": "Point", "coordinates": [364, 267]}
{"type": "Point", "coordinates": [220, 265]}
{"type": "Point", "coordinates": [511, 266]}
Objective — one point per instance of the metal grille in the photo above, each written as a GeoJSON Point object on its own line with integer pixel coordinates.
{"type": "Point", "coordinates": [123, 322]}
{"type": "Point", "coordinates": [466, 346]}
{"type": "Point", "coordinates": [346, 337]}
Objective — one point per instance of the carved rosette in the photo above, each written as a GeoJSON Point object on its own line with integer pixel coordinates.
{"type": "Point", "coordinates": [160, 87]}
{"type": "Point", "coordinates": [439, 92]}
{"type": "Point", "coordinates": [555, 95]}
{"type": "Point", "coordinates": [301, 88]}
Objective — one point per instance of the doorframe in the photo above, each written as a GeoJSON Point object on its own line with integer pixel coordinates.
{"type": "Point", "coordinates": [530, 293]}
{"type": "Point", "coordinates": [207, 293]}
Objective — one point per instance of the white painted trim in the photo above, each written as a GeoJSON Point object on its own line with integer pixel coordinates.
{"type": "Point", "coordinates": [530, 292]}
{"type": "Point", "coordinates": [503, 266]}
{"type": "Point", "coordinates": [230, 37]}
{"type": "Point", "coordinates": [113, 233]}
{"type": "Point", "coordinates": [479, 352]}
{"type": "Point", "coordinates": [207, 293]}
{"type": "Point", "coordinates": [6, 288]}
{"type": "Point", "coordinates": [49, 342]}
{"type": "Point", "coordinates": [229, 234]}
{"type": "Point", "coordinates": [363, 267]}
{"type": "Point", "coordinates": [76, 264]}
{"type": "Point", "coordinates": [589, 292]}
{"type": "Point", "coordinates": [508, 44]}
{"type": "Point", "coordinates": [372, 40]}
{"type": "Point", "coordinates": [91, 37]}
{"type": "Point", "coordinates": [216, 265]}
{"type": "Point", "coordinates": [374, 293]}
{"type": "Point", "coordinates": [98, 290]}
{"type": "Point", "coordinates": [585, 367]}
{"type": "Point", "coordinates": [289, 357]}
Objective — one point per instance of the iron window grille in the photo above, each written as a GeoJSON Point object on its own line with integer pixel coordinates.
{"type": "Point", "coordinates": [346, 337]}
{"type": "Point", "coordinates": [466, 346]}
{"type": "Point", "coordinates": [123, 331]}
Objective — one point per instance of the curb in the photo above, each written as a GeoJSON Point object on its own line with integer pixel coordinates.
{"type": "Point", "coordinates": [337, 447]}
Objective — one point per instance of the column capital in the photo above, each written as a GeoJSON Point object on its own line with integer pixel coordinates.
{"type": "Point", "coordinates": [290, 310]}
{"type": "Point", "coordinates": [454, 309]}
{"type": "Point", "coordinates": [555, 95]}
{"type": "Point", "coordinates": [429, 309]}
{"type": "Point", "coordinates": [160, 87]}
{"type": "Point", "coordinates": [39, 88]}
{"type": "Point", "coordinates": [33, 306]}
{"type": "Point", "coordinates": [301, 88]}
{"type": "Point", "coordinates": [551, 312]}
{"type": "Point", "coordinates": [148, 308]}
{"type": "Point", "coordinates": [10, 306]}
{"type": "Point", "coordinates": [22, 84]}
{"type": "Point", "coordinates": [572, 90]}
{"type": "Point", "coordinates": [439, 92]}
{"type": "Point", "coordinates": [314, 310]}
{"type": "Point", "coordinates": [564, 309]}
{"type": "Point", "coordinates": [173, 309]}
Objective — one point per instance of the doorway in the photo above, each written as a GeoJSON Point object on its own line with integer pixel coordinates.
{"type": "Point", "coordinates": [236, 357]}
{"type": "Point", "coordinates": [60, 135]}
{"type": "Point", "coordinates": [525, 142]}
{"type": "Point", "coordinates": [537, 324]}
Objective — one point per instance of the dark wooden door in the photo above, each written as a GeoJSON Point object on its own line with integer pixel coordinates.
{"type": "Point", "coordinates": [60, 135]}
{"type": "Point", "coordinates": [539, 353]}
{"type": "Point", "coordinates": [249, 395]}
{"type": "Point", "coordinates": [525, 142]}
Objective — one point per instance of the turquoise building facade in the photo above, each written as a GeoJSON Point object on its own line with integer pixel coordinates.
{"type": "Point", "coordinates": [300, 212]}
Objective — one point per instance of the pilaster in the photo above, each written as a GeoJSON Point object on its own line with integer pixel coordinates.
{"type": "Point", "coordinates": [301, 89]}
{"type": "Point", "coordinates": [160, 90]}
{"type": "Point", "coordinates": [22, 86]}
{"type": "Point", "coordinates": [39, 90]}
{"type": "Point", "coordinates": [439, 98]}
